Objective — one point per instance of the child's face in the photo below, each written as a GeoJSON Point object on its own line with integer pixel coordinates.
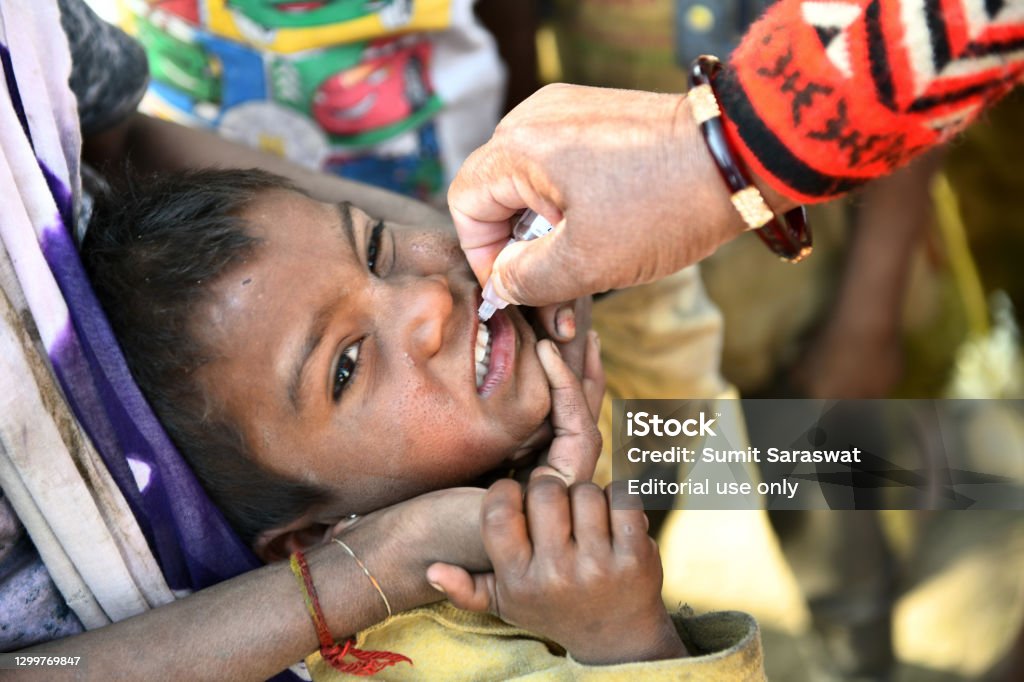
{"type": "Point", "coordinates": [346, 350]}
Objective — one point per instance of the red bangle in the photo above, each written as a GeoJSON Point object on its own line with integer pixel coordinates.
{"type": "Point", "coordinates": [789, 236]}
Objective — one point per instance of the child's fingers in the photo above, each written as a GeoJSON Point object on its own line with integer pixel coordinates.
{"type": "Point", "coordinates": [590, 519]}
{"type": "Point", "coordinates": [548, 515]}
{"type": "Point", "coordinates": [503, 525]}
{"type": "Point", "coordinates": [577, 443]}
{"type": "Point", "coordinates": [628, 522]}
{"type": "Point", "coordinates": [593, 375]}
{"type": "Point", "coordinates": [463, 589]}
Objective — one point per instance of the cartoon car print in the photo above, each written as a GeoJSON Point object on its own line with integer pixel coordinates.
{"type": "Point", "coordinates": [409, 164]}
{"type": "Point", "coordinates": [183, 65]}
{"type": "Point", "coordinates": [186, 9]}
{"type": "Point", "coordinates": [385, 88]}
{"type": "Point", "coordinates": [278, 130]}
{"type": "Point", "coordinates": [274, 14]}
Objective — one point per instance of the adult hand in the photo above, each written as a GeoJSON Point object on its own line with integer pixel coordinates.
{"type": "Point", "coordinates": [625, 177]}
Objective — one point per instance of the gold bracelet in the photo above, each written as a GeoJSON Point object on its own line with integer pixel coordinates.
{"type": "Point", "coordinates": [366, 572]}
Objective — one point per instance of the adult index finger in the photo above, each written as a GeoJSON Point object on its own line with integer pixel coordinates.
{"type": "Point", "coordinates": [486, 192]}
{"type": "Point", "coordinates": [481, 241]}
{"type": "Point", "coordinates": [482, 201]}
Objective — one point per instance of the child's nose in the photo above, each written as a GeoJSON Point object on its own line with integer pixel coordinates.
{"type": "Point", "coordinates": [425, 307]}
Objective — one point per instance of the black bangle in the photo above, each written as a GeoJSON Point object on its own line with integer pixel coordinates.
{"type": "Point", "coordinates": [788, 236]}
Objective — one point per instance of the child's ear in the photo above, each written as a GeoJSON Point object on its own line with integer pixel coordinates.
{"type": "Point", "coordinates": [278, 543]}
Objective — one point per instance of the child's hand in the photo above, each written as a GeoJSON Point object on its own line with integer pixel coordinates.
{"type": "Point", "coordinates": [570, 435]}
{"type": "Point", "coordinates": [575, 405]}
{"type": "Point", "coordinates": [568, 443]}
{"type": "Point", "coordinates": [569, 567]}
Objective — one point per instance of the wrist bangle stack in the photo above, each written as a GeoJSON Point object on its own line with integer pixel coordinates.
{"type": "Point", "coordinates": [788, 236]}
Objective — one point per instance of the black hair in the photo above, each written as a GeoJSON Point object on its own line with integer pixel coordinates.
{"type": "Point", "coordinates": [151, 250]}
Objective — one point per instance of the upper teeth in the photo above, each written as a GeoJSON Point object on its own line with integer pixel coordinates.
{"type": "Point", "coordinates": [482, 353]}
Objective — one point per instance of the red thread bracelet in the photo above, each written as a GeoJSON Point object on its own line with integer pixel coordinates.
{"type": "Point", "coordinates": [367, 662]}
{"type": "Point", "coordinates": [789, 236]}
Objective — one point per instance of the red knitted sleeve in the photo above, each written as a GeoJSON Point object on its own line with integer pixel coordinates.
{"type": "Point", "coordinates": [822, 95]}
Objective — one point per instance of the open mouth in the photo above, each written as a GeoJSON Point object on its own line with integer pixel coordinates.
{"type": "Point", "coordinates": [494, 352]}
{"type": "Point", "coordinates": [482, 353]}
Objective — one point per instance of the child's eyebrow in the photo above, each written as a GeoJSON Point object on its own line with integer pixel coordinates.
{"type": "Point", "coordinates": [318, 326]}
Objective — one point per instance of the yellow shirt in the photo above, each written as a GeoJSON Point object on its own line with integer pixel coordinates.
{"type": "Point", "coordinates": [448, 644]}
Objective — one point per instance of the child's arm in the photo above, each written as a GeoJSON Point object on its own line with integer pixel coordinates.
{"type": "Point", "coordinates": [256, 624]}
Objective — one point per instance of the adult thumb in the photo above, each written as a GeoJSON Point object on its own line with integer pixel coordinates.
{"type": "Point", "coordinates": [541, 271]}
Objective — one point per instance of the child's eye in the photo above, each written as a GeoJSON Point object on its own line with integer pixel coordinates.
{"type": "Point", "coordinates": [373, 248]}
{"type": "Point", "coordinates": [345, 369]}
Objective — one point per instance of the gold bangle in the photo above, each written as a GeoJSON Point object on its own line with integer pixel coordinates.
{"type": "Point", "coordinates": [366, 572]}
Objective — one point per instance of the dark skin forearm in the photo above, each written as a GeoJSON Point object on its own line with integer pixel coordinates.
{"type": "Point", "coordinates": [250, 627]}
{"type": "Point", "coordinates": [152, 145]}
{"type": "Point", "coordinates": [857, 354]}
{"type": "Point", "coordinates": [255, 625]}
